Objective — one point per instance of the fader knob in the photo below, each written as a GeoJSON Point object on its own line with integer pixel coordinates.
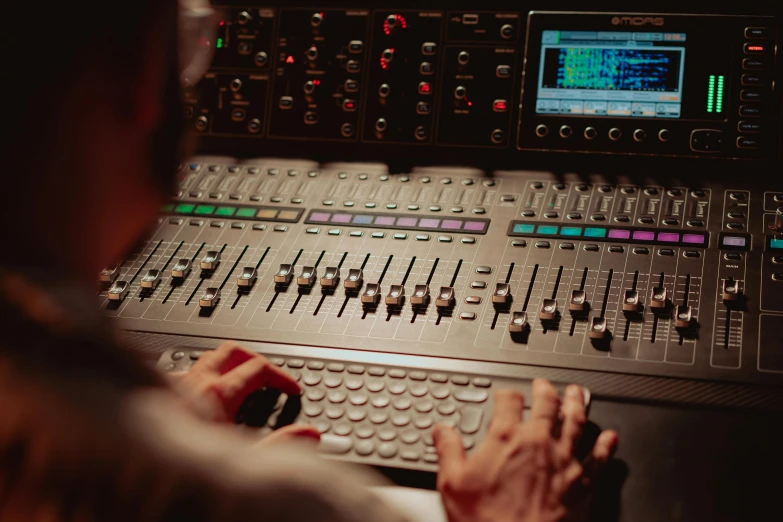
{"type": "Point", "coordinates": [244, 17]}
{"type": "Point", "coordinates": [371, 295]}
{"type": "Point", "coordinates": [779, 219]}
{"type": "Point", "coordinates": [684, 316]}
{"type": "Point", "coordinates": [248, 277]}
{"type": "Point", "coordinates": [211, 260]}
{"type": "Point", "coordinates": [598, 327]}
{"type": "Point", "coordinates": [210, 298]}
{"type": "Point", "coordinates": [548, 310]}
{"type": "Point", "coordinates": [518, 322]}
{"type": "Point", "coordinates": [631, 301]}
{"type": "Point", "coordinates": [331, 277]}
{"type": "Point", "coordinates": [151, 279]}
{"type": "Point", "coordinates": [396, 295]}
{"type": "Point", "coordinates": [730, 290]}
{"type": "Point", "coordinates": [284, 275]}
{"type": "Point", "coordinates": [354, 280]}
{"type": "Point", "coordinates": [502, 294]}
{"type": "Point", "coordinates": [421, 295]}
{"type": "Point", "coordinates": [118, 291]}
{"type": "Point", "coordinates": [578, 301]}
{"type": "Point", "coordinates": [445, 298]}
{"type": "Point", "coordinates": [109, 274]}
{"type": "Point", "coordinates": [307, 278]}
{"type": "Point", "coordinates": [658, 298]}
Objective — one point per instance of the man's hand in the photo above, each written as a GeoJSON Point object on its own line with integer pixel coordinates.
{"type": "Point", "coordinates": [222, 379]}
{"type": "Point", "coordinates": [523, 472]}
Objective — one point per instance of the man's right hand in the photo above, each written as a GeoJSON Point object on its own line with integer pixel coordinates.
{"type": "Point", "coordinates": [523, 472]}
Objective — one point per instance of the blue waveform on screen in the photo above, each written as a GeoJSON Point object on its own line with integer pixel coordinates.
{"type": "Point", "coordinates": [617, 69]}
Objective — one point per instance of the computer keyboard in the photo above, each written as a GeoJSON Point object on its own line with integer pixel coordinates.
{"type": "Point", "coordinates": [373, 414]}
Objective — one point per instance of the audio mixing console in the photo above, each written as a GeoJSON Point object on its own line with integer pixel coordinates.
{"type": "Point", "coordinates": [411, 207]}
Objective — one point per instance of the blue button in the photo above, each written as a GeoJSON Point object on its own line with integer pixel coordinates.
{"type": "Point", "coordinates": [776, 243]}
{"type": "Point", "coordinates": [571, 231]}
{"type": "Point", "coordinates": [362, 220]}
{"type": "Point", "coordinates": [521, 228]}
{"type": "Point", "coordinates": [547, 230]}
{"type": "Point", "coordinates": [595, 232]}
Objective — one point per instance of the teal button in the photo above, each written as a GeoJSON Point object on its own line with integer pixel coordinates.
{"type": "Point", "coordinates": [246, 212]}
{"type": "Point", "coordinates": [225, 211]}
{"type": "Point", "coordinates": [547, 230]}
{"type": "Point", "coordinates": [571, 231]}
{"type": "Point", "coordinates": [595, 232]}
{"type": "Point", "coordinates": [167, 208]}
{"type": "Point", "coordinates": [185, 208]}
{"type": "Point", "coordinates": [204, 210]}
{"type": "Point", "coordinates": [776, 243]}
{"type": "Point", "coordinates": [522, 228]}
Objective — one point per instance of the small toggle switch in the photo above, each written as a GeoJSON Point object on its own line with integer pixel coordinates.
{"type": "Point", "coordinates": [248, 277]}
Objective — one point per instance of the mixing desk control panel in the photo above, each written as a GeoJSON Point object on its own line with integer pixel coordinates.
{"type": "Point", "coordinates": [518, 267]}
{"type": "Point", "coordinates": [504, 80]}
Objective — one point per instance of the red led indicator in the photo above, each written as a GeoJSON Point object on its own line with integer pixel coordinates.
{"type": "Point", "coordinates": [470, 104]}
{"type": "Point", "coordinates": [222, 23]}
{"type": "Point", "coordinates": [756, 48]}
{"type": "Point", "coordinates": [500, 106]}
{"type": "Point", "coordinates": [290, 59]}
{"type": "Point", "coordinates": [424, 88]}
{"type": "Point", "coordinates": [316, 82]}
{"type": "Point", "coordinates": [349, 105]}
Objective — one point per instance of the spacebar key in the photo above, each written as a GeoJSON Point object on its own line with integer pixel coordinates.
{"type": "Point", "coordinates": [335, 445]}
{"type": "Point", "coordinates": [471, 395]}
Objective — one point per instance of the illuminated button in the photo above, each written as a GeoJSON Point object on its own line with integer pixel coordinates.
{"type": "Point", "coordinates": [595, 232]}
{"type": "Point", "coordinates": [248, 277]}
{"type": "Point", "coordinates": [334, 232]}
{"type": "Point", "coordinates": [756, 32]}
{"type": "Point", "coordinates": [425, 88]}
{"type": "Point", "coordinates": [749, 127]}
{"type": "Point", "coordinates": [413, 207]}
{"type": "Point", "coordinates": [204, 210]}
{"type": "Point", "coordinates": [355, 46]}
{"type": "Point", "coordinates": [400, 235]}
{"type": "Point", "coordinates": [571, 231]}
{"type": "Point", "coordinates": [754, 48]}
{"type": "Point", "coordinates": [750, 95]}
{"type": "Point", "coordinates": [425, 68]}
{"type": "Point", "coordinates": [259, 226]}
{"type": "Point", "coordinates": [349, 105]}
{"type": "Point", "coordinates": [590, 133]}
{"type": "Point", "coordinates": [750, 111]}
{"type": "Point", "coordinates": [748, 142]}
{"type": "Point", "coordinates": [428, 48]}
{"type": "Point", "coordinates": [500, 105]}
{"type": "Point", "coordinates": [547, 230]}
{"type": "Point", "coordinates": [754, 63]}
{"type": "Point", "coordinates": [542, 130]}
{"type": "Point", "coordinates": [615, 134]}
{"type": "Point", "coordinates": [503, 71]}
{"type": "Point", "coordinates": [435, 208]}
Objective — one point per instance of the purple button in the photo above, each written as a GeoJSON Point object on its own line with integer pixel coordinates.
{"type": "Point", "coordinates": [406, 222]}
{"type": "Point", "coordinates": [668, 237]}
{"type": "Point", "coordinates": [384, 220]}
{"type": "Point", "coordinates": [693, 238]}
{"type": "Point", "coordinates": [319, 216]}
{"type": "Point", "coordinates": [641, 235]}
{"type": "Point", "coordinates": [475, 226]}
{"type": "Point", "coordinates": [341, 218]}
{"type": "Point", "coordinates": [429, 223]}
{"type": "Point", "coordinates": [451, 224]}
{"type": "Point", "coordinates": [620, 234]}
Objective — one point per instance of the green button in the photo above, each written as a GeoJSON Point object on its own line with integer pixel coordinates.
{"type": "Point", "coordinates": [204, 210]}
{"type": "Point", "coordinates": [776, 243]}
{"type": "Point", "coordinates": [185, 208]}
{"type": "Point", "coordinates": [521, 228]}
{"type": "Point", "coordinates": [571, 231]}
{"type": "Point", "coordinates": [167, 208]}
{"type": "Point", "coordinates": [547, 230]}
{"type": "Point", "coordinates": [225, 211]}
{"type": "Point", "coordinates": [595, 232]}
{"type": "Point", "coordinates": [246, 212]}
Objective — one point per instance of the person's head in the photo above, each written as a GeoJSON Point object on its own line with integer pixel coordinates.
{"type": "Point", "coordinates": [92, 126]}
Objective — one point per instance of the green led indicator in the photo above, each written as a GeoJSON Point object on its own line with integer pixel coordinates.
{"type": "Point", "coordinates": [719, 96]}
{"type": "Point", "coordinates": [710, 93]}
{"type": "Point", "coordinates": [219, 43]}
